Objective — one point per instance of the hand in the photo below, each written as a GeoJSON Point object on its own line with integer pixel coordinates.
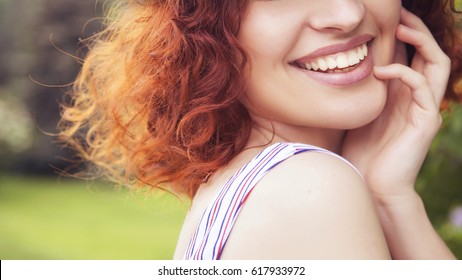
{"type": "Point", "coordinates": [389, 152]}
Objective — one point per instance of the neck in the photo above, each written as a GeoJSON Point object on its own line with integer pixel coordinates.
{"type": "Point", "coordinates": [268, 133]}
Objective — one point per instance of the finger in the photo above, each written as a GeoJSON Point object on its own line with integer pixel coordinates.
{"type": "Point", "coordinates": [411, 20]}
{"type": "Point", "coordinates": [425, 44]}
{"type": "Point", "coordinates": [415, 81]}
{"type": "Point", "coordinates": [429, 60]}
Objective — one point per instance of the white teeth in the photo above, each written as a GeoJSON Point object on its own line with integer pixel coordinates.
{"type": "Point", "coordinates": [314, 66]}
{"type": "Point", "coordinates": [360, 54]}
{"type": "Point", "coordinates": [353, 58]}
{"type": "Point", "coordinates": [364, 49]}
{"type": "Point", "coordinates": [331, 62]}
{"type": "Point", "coordinates": [342, 61]}
{"type": "Point", "coordinates": [339, 60]}
{"type": "Point", "coordinates": [322, 64]}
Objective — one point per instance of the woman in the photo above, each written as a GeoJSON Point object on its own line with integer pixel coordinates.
{"type": "Point", "coordinates": [296, 127]}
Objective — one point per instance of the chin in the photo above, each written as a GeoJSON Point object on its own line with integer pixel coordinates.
{"type": "Point", "coordinates": [360, 113]}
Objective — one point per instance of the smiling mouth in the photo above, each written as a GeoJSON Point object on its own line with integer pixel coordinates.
{"type": "Point", "coordinates": [336, 63]}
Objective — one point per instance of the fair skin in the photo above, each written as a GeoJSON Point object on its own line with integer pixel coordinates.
{"type": "Point", "coordinates": [379, 114]}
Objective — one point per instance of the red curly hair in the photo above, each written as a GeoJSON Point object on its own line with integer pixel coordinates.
{"type": "Point", "coordinates": [157, 100]}
{"type": "Point", "coordinates": [439, 18]}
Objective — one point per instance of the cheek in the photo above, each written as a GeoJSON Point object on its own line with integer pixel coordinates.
{"type": "Point", "coordinates": [265, 34]}
{"type": "Point", "coordinates": [387, 19]}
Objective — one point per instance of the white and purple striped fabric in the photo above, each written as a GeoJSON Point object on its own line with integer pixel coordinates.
{"type": "Point", "coordinates": [218, 219]}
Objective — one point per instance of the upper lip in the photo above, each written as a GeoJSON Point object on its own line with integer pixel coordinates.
{"type": "Point", "coordinates": [327, 50]}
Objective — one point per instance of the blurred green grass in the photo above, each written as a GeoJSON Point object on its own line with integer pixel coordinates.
{"type": "Point", "coordinates": [49, 218]}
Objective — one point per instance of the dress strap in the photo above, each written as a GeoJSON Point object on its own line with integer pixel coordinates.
{"type": "Point", "coordinates": [218, 219]}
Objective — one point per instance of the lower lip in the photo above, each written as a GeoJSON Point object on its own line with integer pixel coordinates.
{"type": "Point", "coordinates": [356, 75]}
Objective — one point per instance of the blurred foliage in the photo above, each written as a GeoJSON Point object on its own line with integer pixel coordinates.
{"type": "Point", "coordinates": [458, 5]}
{"type": "Point", "coordinates": [15, 136]}
{"type": "Point", "coordinates": [38, 41]}
{"type": "Point", "coordinates": [440, 180]}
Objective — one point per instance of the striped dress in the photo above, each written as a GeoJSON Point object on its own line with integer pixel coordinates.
{"type": "Point", "coordinates": [216, 223]}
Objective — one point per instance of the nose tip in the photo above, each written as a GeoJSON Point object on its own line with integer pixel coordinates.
{"type": "Point", "coordinates": [338, 16]}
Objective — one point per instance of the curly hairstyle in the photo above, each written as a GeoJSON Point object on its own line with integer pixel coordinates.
{"type": "Point", "coordinates": [156, 102]}
{"type": "Point", "coordinates": [439, 18]}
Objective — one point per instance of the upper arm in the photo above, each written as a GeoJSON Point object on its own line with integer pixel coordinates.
{"type": "Point", "coordinates": [311, 206]}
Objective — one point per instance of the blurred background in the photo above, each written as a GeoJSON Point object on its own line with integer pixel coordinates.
{"type": "Point", "coordinates": [47, 216]}
{"type": "Point", "coordinates": [44, 215]}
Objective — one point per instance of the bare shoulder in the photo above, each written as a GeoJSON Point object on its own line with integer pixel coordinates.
{"type": "Point", "coordinates": [311, 206]}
